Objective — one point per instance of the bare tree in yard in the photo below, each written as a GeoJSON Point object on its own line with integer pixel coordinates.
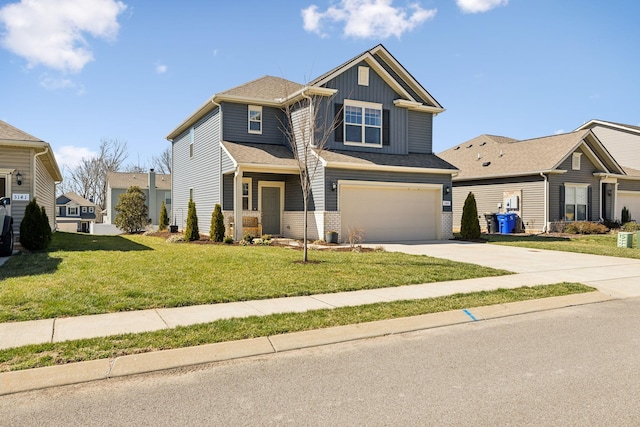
{"type": "Point", "coordinates": [162, 163]}
{"type": "Point", "coordinates": [89, 178]}
{"type": "Point", "coordinates": [308, 124]}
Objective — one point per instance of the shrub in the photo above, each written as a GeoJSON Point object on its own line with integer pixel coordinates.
{"type": "Point", "coordinates": [175, 238]}
{"type": "Point", "coordinates": [626, 215]}
{"type": "Point", "coordinates": [228, 240]}
{"type": "Point", "coordinates": [163, 222]}
{"type": "Point", "coordinates": [132, 213]}
{"type": "Point", "coordinates": [469, 225]}
{"type": "Point", "coordinates": [192, 232]}
{"type": "Point", "coordinates": [631, 226]}
{"type": "Point", "coordinates": [585, 227]}
{"type": "Point", "coordinates": [611, 224]}
{"type": "Point", "coordinates": [356, 237]}
{"type": "Point", "coordinates": [216, 231]}
{"type": "Point", "coordinates": [248, 237]}
{"type": "Point", "coordinates": [35, 231]}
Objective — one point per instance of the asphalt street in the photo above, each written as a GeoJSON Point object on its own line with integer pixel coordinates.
{"type": "Point", "coordinates": [571, 366]}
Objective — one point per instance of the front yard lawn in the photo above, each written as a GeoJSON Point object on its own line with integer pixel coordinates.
{"type": "Point", "coordinates": [601, 244]}
{"type": "Point", "coordinates": [86, 274]}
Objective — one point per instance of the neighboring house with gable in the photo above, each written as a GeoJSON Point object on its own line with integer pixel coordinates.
{"type": "Point", "coordinates": [156, 189]}
{"type": "Point", "coordinates": [74, 213]}
{"type": "Point", "coordinates": [545, 181]}
{"type": "Point", "coordinates": [378, 172]}
{"type": "Point", "coordinates": [623, 142]}
{"type": "Point", "coordinates": [28, 169]}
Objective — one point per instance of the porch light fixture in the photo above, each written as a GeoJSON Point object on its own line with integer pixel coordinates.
{"type": "Point", "coordinates": [334, 186]}
{"type": "Point", "coordinates": [19, 178]}
{"type": "Point", "coordinates": [447, 189]}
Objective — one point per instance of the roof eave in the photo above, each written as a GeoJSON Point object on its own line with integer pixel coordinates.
{"type": "Point", "coordinates": [509, 175]}
{"type": "Point", "coordinates": [388, 168]}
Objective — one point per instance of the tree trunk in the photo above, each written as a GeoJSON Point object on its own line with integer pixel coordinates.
{"type": "Point", "coordinates": [304, 231]}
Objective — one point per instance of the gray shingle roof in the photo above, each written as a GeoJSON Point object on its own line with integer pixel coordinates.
{"type": "Point", "coordinates": [10, 133]}
{"type": "Point", "coordinates": [261, 154]}
{"type": "Point", "coordinates": [508, 156]}
{"type": "Point", "coordinates": [126, 180]}
{"type": "Point", "coordinates": [267, 88]}
{"type": "Point", "coordinates": [74, 197]}
{"type": "Point", "coordinates": [414, 160]}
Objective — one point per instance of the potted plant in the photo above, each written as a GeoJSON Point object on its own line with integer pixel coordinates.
{"type": "Point", "coordinates": [332, 236]}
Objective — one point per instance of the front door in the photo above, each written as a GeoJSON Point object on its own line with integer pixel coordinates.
{"type": "Point", "coordinates": [271, 210]}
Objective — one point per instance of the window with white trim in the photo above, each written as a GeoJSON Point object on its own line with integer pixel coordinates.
{"type": "Point", "coordinates": [84, 209]}
{"type": "Point", "coordinates": [576, 202]}
{"type": "Point", "coordinates": [72, 211]}
{"type": "Point", "coordinates": [90, 209]}
{"type": "Point", "coordinates": [255, 119]}
{"type": "Point", "coordinates": [191, 139]}
{"type": "Point", "coordinates": [575, 161]}
{"type": "Point", "coordinates": [362, 123]}
{"type": "Point", "coordinates": [246, 194]}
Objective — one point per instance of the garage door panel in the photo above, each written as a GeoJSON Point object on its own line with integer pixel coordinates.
{"type": "Point", "coordinates": [390, 213]}
{"type": "Point", "coordinates": [632, 202]}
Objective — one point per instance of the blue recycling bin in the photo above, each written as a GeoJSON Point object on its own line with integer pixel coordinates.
{"type": "Point", "coordinates": [506, 222]}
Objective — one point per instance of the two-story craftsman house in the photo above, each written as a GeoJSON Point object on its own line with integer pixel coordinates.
{"type": "Point", "coordinates": [378, 172]}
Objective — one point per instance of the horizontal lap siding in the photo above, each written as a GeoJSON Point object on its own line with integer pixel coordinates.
{"type": "Point", "coordinates": [236, 124]}
{"type": "Point", "coordinates": [628, 185]}
{"type": "Point", "coordinates": [46, 191]}
{"type": "Point", "coordinates": [378, 91]}
{"type": "Point", "coordinates": [334, 175]}
{"type": "Point", "coordinates": [582, 176]}
{"type": "Point", "coordinates": [200, 172]}
{"type": "Point", "coordinates": [489, 194]}
{"type": "Point", "coordinates": [20, 160]}
{"type": "Point", "coordinates": [623, 146]}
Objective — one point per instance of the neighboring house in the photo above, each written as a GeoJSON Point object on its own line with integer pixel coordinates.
{"type": "Point", "coordinates": [623, 142]}
{"type": "Point", "coordinates": [379, 172]}
{"type": "Point", "coordinates": [156, 188]}
{"type": "Point", "coordinates": [75, 213]}
{"type": "Point", "coordinates": [28, 169]}
{"type": "Point", "coordinates": [549, 180]}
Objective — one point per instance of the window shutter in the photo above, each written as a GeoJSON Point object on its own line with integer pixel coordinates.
{"type": "Point", "coordinates": [385, 128]}
{"type": "Point", "coordinates": [589, 208]}
{"type": "Point", "coordinates": [561, 194]}
{"type": "Point", "coordinates": [338, 114]}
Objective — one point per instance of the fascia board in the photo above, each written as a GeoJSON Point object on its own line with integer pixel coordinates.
{"type": "Point", "coordinates": [509, 175]}
{"type": "Point", "coordinates": [417, 106]}
{"type": "Point", "coordinates": [382, 168]}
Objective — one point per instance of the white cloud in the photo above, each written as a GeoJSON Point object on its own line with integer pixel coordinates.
{"type": "Point", "coordinates": [60, 83]}
{"type": "Point", "coordinates": [479, 6]}
{"type": "Point", "coordinates": [52, 32]}
{"type": "Point", "coordinates": [365, 19]}
{"type": "Point", "coordinates": [69, 156]}
{"type": "Point", "coordinates": [559, 131]}
{"type": "Point", "coordinates": [161, 68]}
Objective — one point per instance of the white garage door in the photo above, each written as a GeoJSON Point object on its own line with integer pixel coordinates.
{"type": "Point", "coordinates": [630, 199]}
{"type": "Point", "coordinates": [390, 213]}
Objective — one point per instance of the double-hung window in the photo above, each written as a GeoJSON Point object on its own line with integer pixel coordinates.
{"type": "Point", "coordinates": [362, 123]}
{"type": "Point", "coordinates": [72, 211]}
{"type": "Point", "coordinates": [255, 119]}
{"type": "Point", "coordinates": [575, 202]}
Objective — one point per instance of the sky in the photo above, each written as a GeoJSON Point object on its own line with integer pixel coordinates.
{"type": "Point", "coordinates": [76, 72]}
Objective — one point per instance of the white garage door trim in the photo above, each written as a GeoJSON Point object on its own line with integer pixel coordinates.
{"type": "Point", "coordinates": [630, 199]}
{"type": "Point", "coordinates": [433, 211]}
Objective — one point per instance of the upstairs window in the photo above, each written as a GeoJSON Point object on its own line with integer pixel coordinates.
{"type": "Point", "coordinates": [72, 211]}
{"type": "Point", "coordinates": [90, 209]}
{"type": "Point", "coordinates": [362, 123]}
{"type": "Point", "coordinates": [255, 119]}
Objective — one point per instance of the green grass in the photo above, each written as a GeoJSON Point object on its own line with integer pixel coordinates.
{"type": "Point", "coordinates": [602, 244]}
{"type": "Point", "coordinates": [40, 355]}
{"type": "Point", "coordinates": [84, 274]}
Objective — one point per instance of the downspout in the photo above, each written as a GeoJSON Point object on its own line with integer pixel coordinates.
{"type": "Point", "coordinates": [546, 202]}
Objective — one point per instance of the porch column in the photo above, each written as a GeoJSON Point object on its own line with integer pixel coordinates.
{"type": "Point", "coordinates": [237, 205]}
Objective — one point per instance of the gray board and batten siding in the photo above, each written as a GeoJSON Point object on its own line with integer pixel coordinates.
{"type": "Point", "coordinates": [235, 125]}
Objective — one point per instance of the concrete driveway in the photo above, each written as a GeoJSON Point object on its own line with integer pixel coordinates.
{"type": "Point", "coordinates": [618, 277]}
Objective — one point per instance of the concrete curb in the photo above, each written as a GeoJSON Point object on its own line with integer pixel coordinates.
{"type": "Point", "coordinates": [55, 376]}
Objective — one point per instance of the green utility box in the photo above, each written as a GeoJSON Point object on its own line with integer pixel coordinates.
{"type": "Point", "coordinates": [625, 239]}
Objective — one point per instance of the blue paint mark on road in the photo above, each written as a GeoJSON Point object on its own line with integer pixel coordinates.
{"type": "Point", "coordinates": [468, 313]}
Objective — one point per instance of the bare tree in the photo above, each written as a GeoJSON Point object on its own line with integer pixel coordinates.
{"type": "Point", "coordinates": [308, 124]}
{"type": "Point", "coordinates": [162, 163]}
{"type": "Point", "coordinates": [89, 178]}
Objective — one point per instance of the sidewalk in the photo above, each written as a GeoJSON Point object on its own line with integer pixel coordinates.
{"type": "Point", "coordinates": [613, 277]}
{"type": "Point", "coordinates": [616, 277]}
